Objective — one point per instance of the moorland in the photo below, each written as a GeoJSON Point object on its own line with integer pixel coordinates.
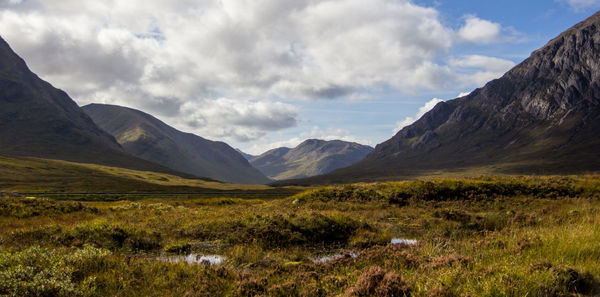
{"type": "Point", "coordinates": [487, 236]}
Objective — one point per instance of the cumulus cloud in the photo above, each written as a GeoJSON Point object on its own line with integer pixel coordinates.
{"type": "Point", "coordinates": [480, 31]}
{"type": "Point", "coordinates": [422, 110]}
{"type": "Point", "coordinates": [476, 30]}
{"type": "Point", "coordinates": [239, 120]}
{"type": "Point", "coordinates": [180, 59]}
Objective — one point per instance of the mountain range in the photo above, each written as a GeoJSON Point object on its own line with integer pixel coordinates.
{"type": "Point", "coordinates": [541, 117]}
{"type": "Point", "coordinates": [311, 157]}
{"type": "Point", "coordinates": [148, 138]}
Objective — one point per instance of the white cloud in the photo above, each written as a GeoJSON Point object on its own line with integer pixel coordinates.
{"type": "Point", "coordinates": [488, 63]}
{"type": "Point", "coordinates": [179, 59]}
{"type": "Point", "coordinates": [238, 120]}
{"type": "Point", "coordinates": [579, 5]}
{"type": "Point", "coordinates": [462, 94]}
{"type": "Point", "coordinates": [478, 70]}
{"type": "Point", "coordinates": [422, 110]}
{"type": "Point", "coordinates": [476, 30]}
{"type": "Point", "coordinates": [480, 31]}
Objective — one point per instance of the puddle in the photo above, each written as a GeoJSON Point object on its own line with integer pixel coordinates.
{"type": "Point", "coordinates": [194, 259]}
{"type": "Point", "coordinates": [403, 241]}
{"type": "Point", "coordinates": [331, 258]}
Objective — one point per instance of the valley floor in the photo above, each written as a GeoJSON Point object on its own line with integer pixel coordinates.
{"type": "Point", "coordinates": [502, 236]}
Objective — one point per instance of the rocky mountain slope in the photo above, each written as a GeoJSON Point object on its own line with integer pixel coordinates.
{"type": "Point", "coordinates": [541, 117]}
{"type": "Point", "coordinates": [311, 157]}
{"type": "Point", "coordinates": [148, 138]}
{"type": "Point", "coordinates": [39, 120]}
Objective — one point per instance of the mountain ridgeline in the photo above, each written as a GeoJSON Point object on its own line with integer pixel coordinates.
{"type": "Point", "coordinates": [146, 137]}
{"type": "Point", "coordinates": [39, 120]}
{"type": "Point", "coordinates": [541, 117]}
{"type": "Point", "coordinates": [311, 157]}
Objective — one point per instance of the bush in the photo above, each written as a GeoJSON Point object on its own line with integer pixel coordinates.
{"type": "Point", "coordinates": [113, 237]}
{"type": "Point", "coordinates": [44, 272]}
{"type": "Point", "coordinates": [565, 279]}
{"type": "Point", "coordinates": [378, 282]}
{"type": "Point", "coordinates": [20, 207]}
{"type": "Point", "coordinates": [280, 230]}
{"type": "Point", "coordinates": [401, 193]}
{"type": "Point", "coordinates": [316, 228]}
{"type": "Point", "coordinates": [44, 234]}
{"type": "Point", "coordinates": [178, 248]}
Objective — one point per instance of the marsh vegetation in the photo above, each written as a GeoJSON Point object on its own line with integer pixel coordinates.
{"type": "Point", "coordinates": [509, 236]}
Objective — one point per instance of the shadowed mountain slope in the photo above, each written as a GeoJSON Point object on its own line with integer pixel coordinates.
{"type": "Point", "coordinates": [311, 157]}
{"type": "Point", "coordinates": [39, 120]}
{"type": "Point", "coordinates": [148, 138]}
{"type": "Point", "coordinates": [541, 117]}
{"type": "Point", "coordinates": [245, 155]}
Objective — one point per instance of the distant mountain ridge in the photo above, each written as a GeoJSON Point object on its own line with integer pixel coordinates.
{"type": "Point", "coordinates": [39, 120]}
{"type": "Point", "coordinates": [311, 157]}
{"type": "Point", "coordinates": [148, 138]}
{"type": "Point", "coordinates": [541, 117]}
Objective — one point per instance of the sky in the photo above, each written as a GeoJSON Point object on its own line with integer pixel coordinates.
{"type": "Point", "coordinates": [260, 74]}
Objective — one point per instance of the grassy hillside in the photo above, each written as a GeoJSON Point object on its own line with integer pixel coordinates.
{"type": "Point", "coordinates": [148, 138]}
{"type": "Point", "coordinates": [26, 174]}
{"type": "Point", "coordinates": [343, 176]}
{"type": "Point", "coordinates": [503, 236]}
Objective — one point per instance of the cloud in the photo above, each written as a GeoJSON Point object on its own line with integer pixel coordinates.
{"type": "Point", "coordinates": [478, 70]}
{"type": "Point", "coordinates": [476, 30]}
{"type": "Point", "coordinates": [422, 110]}
{"type": "Point", "coordinates": [286, 49]}
{"type": "Point", "coordinates": [238, 120]}
{"type": "Point", "coordinates": [579, 5]}
{"type": "Point", "coordinates": [480, 31]}
{"type": "Point", "coordinates": [179, 59]}
{"type": "Point", "coordinates": [462, 94]}
{"type": "Point", "coordinates": [488, 63]}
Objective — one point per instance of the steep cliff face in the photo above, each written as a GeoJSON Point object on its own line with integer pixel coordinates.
{"type": "Point", "coordinates": [148, 138]}
{"type": "Point", "coordinates": [39, 120]}
{"type": "Point", "coordinates": [311, 157]}
{"type": "Point", "coordinates": [543, 116]}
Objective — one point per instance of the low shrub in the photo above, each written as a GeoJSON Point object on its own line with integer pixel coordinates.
{"type": "Point", "coordinates": [401, 193]}
{"type": "Point", "coordinates": [565, 280]}
{"type": "Point", "coordinates": [378, 282]}
{"type": "Point", "coordinates": [178, 248]}
{"type": "Point", "coordinates": [280, 230]}
{"type": "Point", "coordinates": [47, 272]}
{"type": "Point", "coordinates": [25, 207]}
{"type": "Point", "coordinates": [113, 237]}
{"type": "Point", "coordinates": [36, 235]}
{"type": "Point", "coordinates": [315, 228]}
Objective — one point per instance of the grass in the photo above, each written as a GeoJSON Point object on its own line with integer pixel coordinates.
{"type": "Point", "coordinates": [490, 236]}
{"type": "Point", "coordinates": [26, 174]}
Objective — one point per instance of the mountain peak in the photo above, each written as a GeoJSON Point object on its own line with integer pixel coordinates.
{"type": "Point", "coordinates": [311, 157]}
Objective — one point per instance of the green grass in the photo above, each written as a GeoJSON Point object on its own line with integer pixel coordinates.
{"type": "Point", "coordinates": [495, 236]}
{"type": "Point", "coordinates": [25, 174]}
